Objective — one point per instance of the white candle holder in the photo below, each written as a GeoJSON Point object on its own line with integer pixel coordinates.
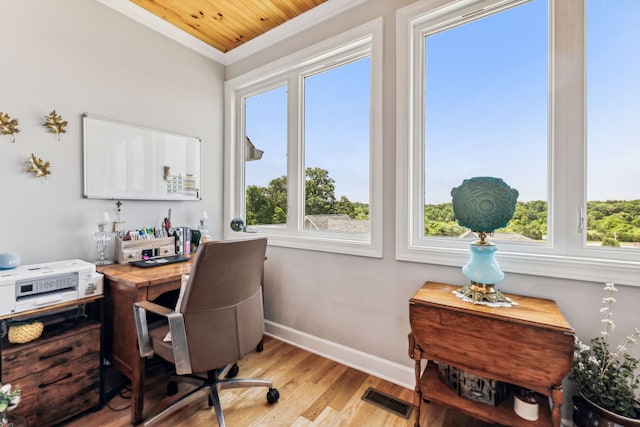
{"type": "Point", "coordinates": [102, 238]}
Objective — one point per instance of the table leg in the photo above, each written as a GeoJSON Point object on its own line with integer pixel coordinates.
{"type": "Point", "coordinates": [416, 354]}
{"type": "Point", "coordinates": [556, 411]}
{"type": "Point", "coordinates": [417, 399]}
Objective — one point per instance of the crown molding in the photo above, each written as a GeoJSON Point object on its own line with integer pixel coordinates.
{"type": "Point", "coordinates": [158, 24]}
{"type": "Point", "coordinates": [320, 13]}
{"type": "Point", "coordinates": [296, 25]}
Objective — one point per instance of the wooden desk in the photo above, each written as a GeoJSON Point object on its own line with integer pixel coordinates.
{"type": "Point", "coordinates": [124, 285]}
{"type": "Point", "coordinates": [529, 345]}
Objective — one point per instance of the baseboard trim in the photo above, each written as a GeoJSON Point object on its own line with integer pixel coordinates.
{"type": "Point", "coordinates": [390, 371]}
{"type": "Point", "coordinates": [365, 362]}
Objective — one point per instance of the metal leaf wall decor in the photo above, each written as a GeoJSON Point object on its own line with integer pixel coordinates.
{"type": "Point", "coordinates": [8, 126]}
{"type": "Point", "coordinates": [55, 124]}
{"type": "Point", "coordinates": [38, 167]}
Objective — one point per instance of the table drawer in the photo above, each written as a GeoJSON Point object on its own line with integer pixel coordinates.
{"type": "Point", "coordinates": [47, 353]}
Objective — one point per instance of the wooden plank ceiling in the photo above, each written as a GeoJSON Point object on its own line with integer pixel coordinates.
{"type": "Point", "coordinates": [226, 24]}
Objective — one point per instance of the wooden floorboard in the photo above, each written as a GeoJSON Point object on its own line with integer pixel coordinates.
{"type": "Point", "coordinates": [314, 391]}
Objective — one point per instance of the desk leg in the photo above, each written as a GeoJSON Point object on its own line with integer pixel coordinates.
{"type": "Point", "coordinates": [123, 340]}
{"type": "Point", "coordinates": [137, 396]}
{"type": "Point", "coordinates": [556, 411]}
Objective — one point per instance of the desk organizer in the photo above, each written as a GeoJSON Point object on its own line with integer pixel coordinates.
{"type": "Point", "coordinates": [136, 250]}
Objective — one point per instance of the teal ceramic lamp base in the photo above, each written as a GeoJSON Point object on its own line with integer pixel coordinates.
{"type": "Point", "coordinates": [483, 271]}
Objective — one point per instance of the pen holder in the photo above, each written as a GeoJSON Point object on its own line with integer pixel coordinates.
{"type": "Point", "coordinates": [137, 250]}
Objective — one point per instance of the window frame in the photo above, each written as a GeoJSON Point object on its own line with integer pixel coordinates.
{"type": "Point", "coordinates": [362, 41]}
{"type": "Point", "coordinates": [565, 254]}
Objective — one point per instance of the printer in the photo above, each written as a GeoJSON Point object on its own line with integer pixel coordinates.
{"type": "Point", "coordinates": [29, 287]}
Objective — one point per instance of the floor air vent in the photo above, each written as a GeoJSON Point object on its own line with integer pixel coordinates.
{"type": "Point", "coordinates": [390, 403]}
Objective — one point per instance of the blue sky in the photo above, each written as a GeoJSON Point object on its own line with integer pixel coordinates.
{"type": "Point", "coordinates": [613, 58]}
{"type": "Point", "coordinates": [486, 109]}
{"type": "Point", "coordinates": [486, 103]}
{"type": "Point", "coordinates": [266, 126]}
{"type": "Point", "coordinates": [336, 129]}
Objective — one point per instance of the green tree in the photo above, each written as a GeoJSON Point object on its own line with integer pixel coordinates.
{"type": "Point", "coordinates": [610, 222]}
{"type": "Point", "coordinates": [360, 211]}
{"type": "Point", "coordinates": [269, 205]}
{"type": "Point", "coordinates": [529, 219]}
{"type": "Point", "coordinates": [257, 205]}
{"type": "Point", "coordinates": [439, 220]}
{"type": "Point", "coordinates": [319, 192]}
{"type": "Point", "coordinates": [344, 206]}
{"type": "Point", "coordinates": [277, 195]}
{"type": "Point", "coordinates": [610, 241]}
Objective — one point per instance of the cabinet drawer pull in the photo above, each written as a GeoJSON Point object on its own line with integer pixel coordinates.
{"type": "Point", "coordinates": [57, 353]}
{"type": "Point", "coordinates": [43, 385]}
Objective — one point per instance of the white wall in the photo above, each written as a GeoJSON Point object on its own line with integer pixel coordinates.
{"type": "Point", "coordinates": [79, 56]}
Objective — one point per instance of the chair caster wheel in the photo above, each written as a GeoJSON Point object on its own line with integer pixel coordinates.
{"type": "Point", "coordinates": [233, 371]}
{"type": "Point", "coordinates": [273, 395]}
{"type": "Point", "coordinates": [172, 388]}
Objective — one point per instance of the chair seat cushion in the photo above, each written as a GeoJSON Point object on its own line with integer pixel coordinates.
{"type": "Point", "coordinates": [161, 348]}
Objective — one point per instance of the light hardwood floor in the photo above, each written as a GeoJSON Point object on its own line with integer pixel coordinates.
{"type": "Point", "coordinates": [314, 391]}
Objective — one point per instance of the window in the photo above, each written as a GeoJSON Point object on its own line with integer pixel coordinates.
{"type": "Point", "coordinates": [497, 88]}
{"type": "Point", "coordinates": [265, 175]}
{"type": "Point", "coordinates": [336, 157]}
{"type": "Point", "coordinates": [613, 103]}
{"type": "Point", "coordinates": [304, 146]}
{"type": "Point", "coordinates": [486, 114]}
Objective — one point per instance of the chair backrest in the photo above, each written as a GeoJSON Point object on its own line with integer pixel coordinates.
{"type": "Point", "coordinates": [222, 302]}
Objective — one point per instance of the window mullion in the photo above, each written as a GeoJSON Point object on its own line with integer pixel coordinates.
{"type": "Point", "coordinates": [295, 155]}
{"type": "Point", "coordinates": [417, 165]}
{"type": "Point", "coordinates": [571, 19]}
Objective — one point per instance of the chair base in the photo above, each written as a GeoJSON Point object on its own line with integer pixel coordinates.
{"type": "Point", "coordinates": [214, 382]}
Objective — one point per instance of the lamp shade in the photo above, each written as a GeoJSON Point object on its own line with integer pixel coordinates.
{"type": "Point", "coordinates": [484, 204]}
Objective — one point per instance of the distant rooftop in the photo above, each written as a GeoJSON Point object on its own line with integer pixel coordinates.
{"type": "Point", "coordinates": [336, 222]}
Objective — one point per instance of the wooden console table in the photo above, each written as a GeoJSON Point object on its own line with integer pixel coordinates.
{"type": "Point", "coordinates": [529, 345]}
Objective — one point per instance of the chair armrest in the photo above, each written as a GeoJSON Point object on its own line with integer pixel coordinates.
{"type": "Point", "coordinates": [176, 326]}
{"type": "Point", "coordinates": [153, 307]}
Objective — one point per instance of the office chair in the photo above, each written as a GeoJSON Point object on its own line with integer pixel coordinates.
{"type": "Point", "coordinates": [218, 321]}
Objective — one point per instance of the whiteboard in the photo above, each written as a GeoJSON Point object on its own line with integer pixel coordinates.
{"type": "Point", "coordinates": [126, 161]}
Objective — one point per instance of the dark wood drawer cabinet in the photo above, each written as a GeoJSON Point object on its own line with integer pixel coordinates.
{"type": "Point", "coordinates": [58, 373]}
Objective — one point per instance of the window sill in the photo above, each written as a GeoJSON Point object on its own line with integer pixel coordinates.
{"type": "Point", "coordinates": [558, 266]}
{"type": "Point", "coordinates": [344, 243]}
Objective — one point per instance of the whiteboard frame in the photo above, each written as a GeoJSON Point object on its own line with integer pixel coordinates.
{"type": "Point", "coordinates": [124, 161]}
